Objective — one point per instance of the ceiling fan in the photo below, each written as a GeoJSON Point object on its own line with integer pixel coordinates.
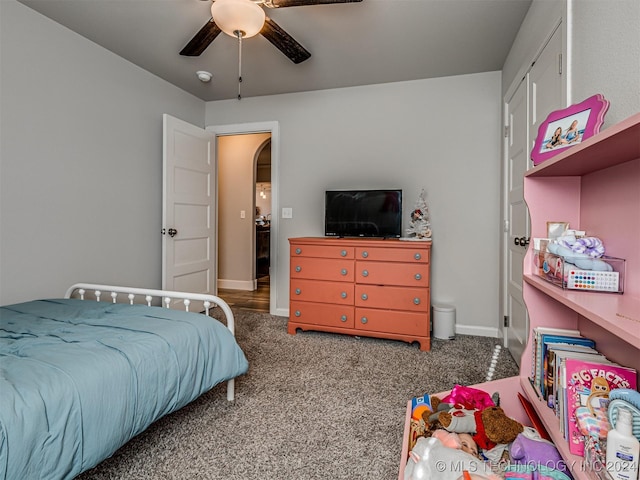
{"type": "Point", "coordinates": [245, 18]}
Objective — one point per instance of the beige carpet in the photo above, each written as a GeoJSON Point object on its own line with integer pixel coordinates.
{"type": "Point", "coordinates": [312, 406]}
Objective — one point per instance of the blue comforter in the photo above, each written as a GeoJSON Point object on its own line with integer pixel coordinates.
{"type": "Point", "coordinates": [78, 379]}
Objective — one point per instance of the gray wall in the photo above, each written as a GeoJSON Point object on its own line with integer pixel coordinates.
{"type": "Point", "coordinates": [81, 140]}
{"type": "Point", "coordinates": [604, 41]}
{"type": "Point", "coordinates": [81, 160]}
{"type": "Point", "coordinates": [606, 55]}
{"type": "Point", "coordinates": [441, 134]}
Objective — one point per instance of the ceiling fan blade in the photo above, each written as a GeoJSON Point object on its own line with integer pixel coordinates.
{"type": "Point", "coordinates": [201, 40]}
{"type": "Point", "coordinates": [302, 3]}
{"type": "Point", "coordinates": [284, 42]}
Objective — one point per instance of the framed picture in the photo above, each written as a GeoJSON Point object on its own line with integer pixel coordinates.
{"type": "Point", "coordinates": [567, 127]}
{"type": "Point", "coordinates": [556, 229]}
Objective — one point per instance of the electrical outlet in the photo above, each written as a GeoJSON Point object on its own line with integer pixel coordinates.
{"type": "Point", "coordinates": [287, 212]}
{"type": "Point", "coordinates": [243, 214]}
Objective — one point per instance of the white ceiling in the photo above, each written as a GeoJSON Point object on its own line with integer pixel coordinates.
{"type": "Point", "coordinates": [375, 41]}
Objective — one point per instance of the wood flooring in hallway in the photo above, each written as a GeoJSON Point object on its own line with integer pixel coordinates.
{"type": "Point", "coordinates": [257, 300]}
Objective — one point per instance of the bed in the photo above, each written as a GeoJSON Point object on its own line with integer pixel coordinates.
{"type": "Point", "coordinates": [79, 378]}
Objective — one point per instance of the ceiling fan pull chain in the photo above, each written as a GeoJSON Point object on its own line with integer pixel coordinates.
{"type": "Point", "coordinates": [239, 34]}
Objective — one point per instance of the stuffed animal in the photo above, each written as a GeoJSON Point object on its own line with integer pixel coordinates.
{"type": "Point", "coordinates": [536, 452]}
{"type": "Point", "coordinates": [431, 459]}
{"type": "Point", "coordinates": [489, 427]}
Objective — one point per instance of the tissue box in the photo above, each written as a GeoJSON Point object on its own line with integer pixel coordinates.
{"type": "Point", "coordinates": [562, 272]}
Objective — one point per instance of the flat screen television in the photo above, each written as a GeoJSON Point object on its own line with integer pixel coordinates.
{"type": "Point", "coordinates": [363, 213]}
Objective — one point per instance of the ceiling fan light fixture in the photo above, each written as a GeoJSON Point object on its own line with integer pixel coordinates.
{"type": "Point", "coordinates": [234, 16]}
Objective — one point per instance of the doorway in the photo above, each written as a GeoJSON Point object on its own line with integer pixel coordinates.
{"type": "Point", "coordinates": [246, 275]}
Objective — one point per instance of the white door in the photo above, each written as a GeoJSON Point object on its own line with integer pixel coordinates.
{"type": "Point", "coordinates": [538, 94]}
{"type": "Point", "coordinates": [189, 208]}
{"type": "Point", "coordinates": [517, 218]}
{"type": "Point", "coordinates": [545, 84]}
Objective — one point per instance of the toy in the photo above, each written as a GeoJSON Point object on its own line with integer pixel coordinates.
{"type": "Point", "coordinates": [536, 452]}
{"type": "Point", "coordinates": [591, 246]}
{"type": "Point", "coordinates": [488, 427]}
{"type": "Point", "coordinates": [580, 260]}
{"type": "Point", "coordinates": [469, 397]}
{"type": "Point", "coordinates": [430, 458]}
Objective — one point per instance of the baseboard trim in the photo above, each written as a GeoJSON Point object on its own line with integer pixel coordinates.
{"type": "Point", "coordinates": [249, 285]}
{"type": "Point", "coordinates": [492, 332]}
{"type": "Point", "coordinates": [280, 312]}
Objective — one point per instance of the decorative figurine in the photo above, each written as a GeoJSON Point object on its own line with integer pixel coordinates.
{"type": "Point", "coordinates": [419, 226]}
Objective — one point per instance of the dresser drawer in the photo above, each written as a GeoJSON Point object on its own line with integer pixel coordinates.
{"type": "Point", "coordinates": [386, 273]}
{"type": "Point", "coordinates": [394, 298]}
{"type": "Point", "coordinates": [410, 255]}
{"type": "Point", "coordinates": [391, 321]}
{"type": "Point", "coordinates": [322, 269]}
{"type": "Point", "coordinates": [321, 251]}
{"type": "Point", "coordinates": [322, 292]}
{"type": "Point", "coordinates": [322, 314]}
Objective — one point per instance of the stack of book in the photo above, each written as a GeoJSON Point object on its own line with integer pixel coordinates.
{"type": "Point", "coordinates": [569, 373]}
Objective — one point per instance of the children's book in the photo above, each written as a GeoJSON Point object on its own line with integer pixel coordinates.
{"type": "Point", "coordinates": [559, 385]}
{"type": "Point", "coordinates": [550, 371]}
{"type": "Point", "coordinates": [548, 339]}
{"type": "Point", "coordinates": [588, 386]}
{"type": "Point", "coordinates": [537, 348]}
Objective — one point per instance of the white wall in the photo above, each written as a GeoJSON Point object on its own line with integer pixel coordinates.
{"type": "Point", "coordinates": [81, 160]}
{"type": "Point", "coordinates": [441, 134]}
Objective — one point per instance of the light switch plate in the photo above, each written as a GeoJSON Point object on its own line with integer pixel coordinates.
{"type": "Point", "coordinates": [287, 212]}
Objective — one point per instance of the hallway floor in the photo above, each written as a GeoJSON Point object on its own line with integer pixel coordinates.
{"type": "Point", "coordinates": [257, 301]}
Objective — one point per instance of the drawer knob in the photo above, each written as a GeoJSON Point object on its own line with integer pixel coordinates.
{"type": "Point", "coordinates": [298, 291]}
{"type": "Point", "coordinates": [365, 273]}
{"type": "Point", "coordinates": [298, 268]}
{"type": "Point", "coordinates": [343, 253]}
{"type": "Point", "coordinates": [418, 276]}
{"type": "Point", "coordinates": [343, 318]}
{"type": "Point", "coordinates": [365, 254]}
{"type": "Point", "coordinates": [297, 314]}
{"type": "Point", "coordinates": [343, 271]}
{"type": "Point", "coordinates": [298, 251]}
{"type": "Point", "coordinates": [416, 301]}
{"type": "Point", "coordinates": [364, 296]}
{"type": "Point", "coordinates": [417, 256]}
{"type": "Point", "coordinates": [364, 320]}
{"type": "Point", "coordinates": [343, 294]}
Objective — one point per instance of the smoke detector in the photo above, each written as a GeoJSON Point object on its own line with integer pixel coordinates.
{"type": "Point", "coordinates": [203, 76]}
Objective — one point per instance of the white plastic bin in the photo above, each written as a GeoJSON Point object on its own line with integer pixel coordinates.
{"type": "Point", "coordinates": [444, 321]}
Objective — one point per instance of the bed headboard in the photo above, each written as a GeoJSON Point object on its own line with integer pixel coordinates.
{"type": "Point", "coordinates": [166, 298]}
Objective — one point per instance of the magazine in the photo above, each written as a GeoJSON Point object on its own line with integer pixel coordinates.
{"type": "Point", "coordinates": [588, 384]}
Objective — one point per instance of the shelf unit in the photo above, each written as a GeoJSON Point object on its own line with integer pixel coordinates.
{"type": "Point", "coordinates": [595, 186]}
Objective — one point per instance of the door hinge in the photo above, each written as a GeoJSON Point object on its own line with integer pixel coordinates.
{"type": "Point", "coordinates": [506, 131]}
{"type": "Point", "coordinates": [506, 320]}
{"type": "Point", "coordinates": [559, 64]}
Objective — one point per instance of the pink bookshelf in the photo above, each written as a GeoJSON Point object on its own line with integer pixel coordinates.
{"type": "Point", "coordinates": [595, 186]}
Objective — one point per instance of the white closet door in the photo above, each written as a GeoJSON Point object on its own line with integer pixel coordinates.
{"type": "Point", "coordinates": [517, 219]}
{"type": "Point", "coordinates": [538, 94]}
{"type": "Point", "coordinates": [189, 208]}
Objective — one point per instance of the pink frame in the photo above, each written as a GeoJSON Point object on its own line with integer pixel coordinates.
{"type": "Point", "coordinates": [556, 134]}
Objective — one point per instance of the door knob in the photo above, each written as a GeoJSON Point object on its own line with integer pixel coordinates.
{"type": "Point", "coordinates": [522, 241]}
{"type": "Point", "coordinates": [172, 232]}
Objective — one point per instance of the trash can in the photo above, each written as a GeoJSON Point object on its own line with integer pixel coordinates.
{"type": "Point", "coordinates": [444, 321]}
